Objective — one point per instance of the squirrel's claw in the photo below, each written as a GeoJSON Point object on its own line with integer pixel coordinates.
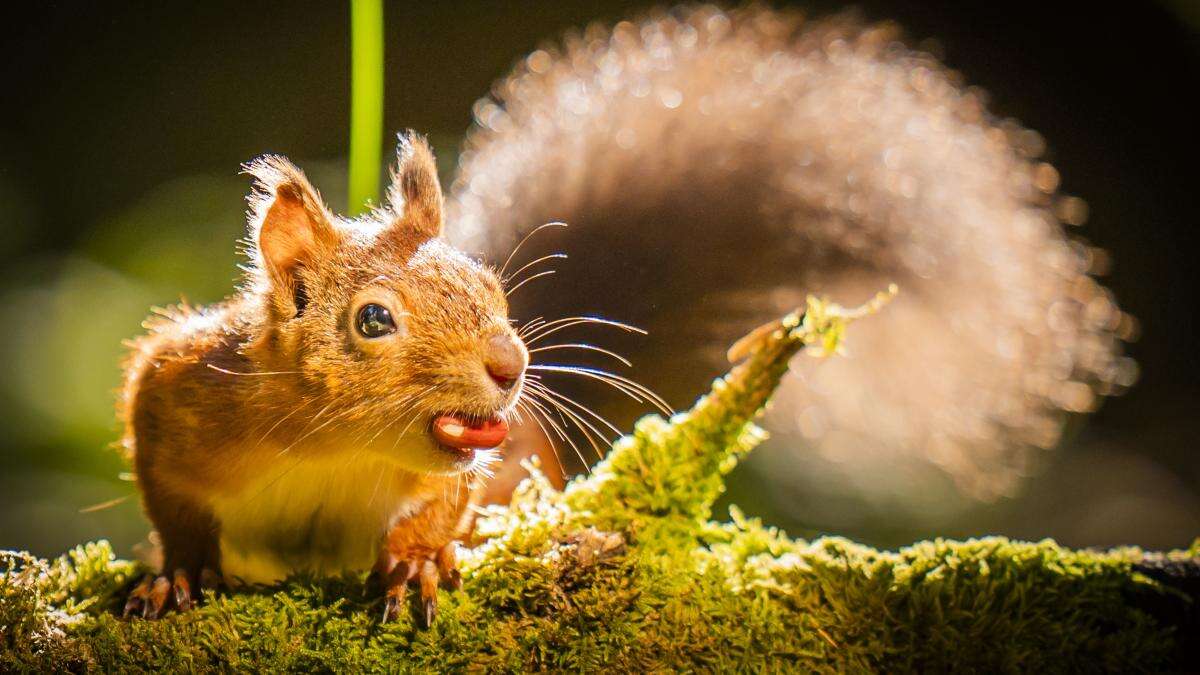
{"type": "Point", "coordinates": [137, 597]}
{"type": "Point", "coordinates": [427, 571]}
{"type": "Point", "coordinates": [156, 601]}
{"type": "Point", "coordinates": [392, 603]}
{"type": "Point", "coordinates": [430, 612]}
{"type": "Point", "coordinates": [182, 590]}
{"type": "Point", "coordinates": [395, 582]}
{"type": "Point", "coordinates": [154, 596]}
{"type": "Point", "coordinates": [429, 585]}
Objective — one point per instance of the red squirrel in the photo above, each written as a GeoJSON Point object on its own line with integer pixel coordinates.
{"type": "Point", "coordinates": [330, 416]}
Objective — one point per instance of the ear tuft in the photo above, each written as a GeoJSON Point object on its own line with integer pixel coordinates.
{"type": "Point", "coordinates": [415, 196]}
{"type": "Point", "coordinates": [289, 224]}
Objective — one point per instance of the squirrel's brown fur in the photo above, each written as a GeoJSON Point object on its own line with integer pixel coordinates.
{"type": "Point", "coordinates": [268, 436]}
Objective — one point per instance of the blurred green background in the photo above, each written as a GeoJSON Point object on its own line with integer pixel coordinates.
{"type": "Point", "coordinates": [124, 127]}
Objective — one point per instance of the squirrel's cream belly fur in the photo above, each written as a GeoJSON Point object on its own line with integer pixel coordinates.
{"type": "Point", "coordinates": [325, 515]}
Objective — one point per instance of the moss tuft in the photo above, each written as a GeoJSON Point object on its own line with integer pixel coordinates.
{"type": "Point", "coordinates": [624, 569]}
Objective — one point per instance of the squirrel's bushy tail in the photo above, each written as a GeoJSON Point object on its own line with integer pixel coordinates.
{"type": "Point", "coordinates": [716, 166]}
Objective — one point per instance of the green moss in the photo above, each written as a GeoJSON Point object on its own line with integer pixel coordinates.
{"type": "Point", "coordinates": [625, 570]}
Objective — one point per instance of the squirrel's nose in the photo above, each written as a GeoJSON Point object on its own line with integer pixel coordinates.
{"type": "Point", "coordinates": [505, 360]}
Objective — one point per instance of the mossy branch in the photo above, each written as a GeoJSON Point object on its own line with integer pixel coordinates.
{"type": "Point", "coordinates": [624, 570]}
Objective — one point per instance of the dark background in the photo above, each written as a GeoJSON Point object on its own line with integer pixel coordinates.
{"type": "Point", "coordinates": [124, 126]}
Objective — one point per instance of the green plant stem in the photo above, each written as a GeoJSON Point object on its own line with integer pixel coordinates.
{"type": "Point", "coordinates": [366, 102]}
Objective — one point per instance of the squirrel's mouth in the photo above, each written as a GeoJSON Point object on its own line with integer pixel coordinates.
{"type": "Point", "coordinates": [462, 435]}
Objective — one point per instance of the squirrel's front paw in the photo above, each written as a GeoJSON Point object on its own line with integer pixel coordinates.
{"type": "Point", "coordinates": [427, 570]}
{"type": "Point", "coordinates": [153, 596]}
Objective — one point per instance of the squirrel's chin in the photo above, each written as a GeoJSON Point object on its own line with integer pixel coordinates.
{"type": "Point", "coordinates": [422, 454]}
{"type": "Point", "coordinates": [457, 460]}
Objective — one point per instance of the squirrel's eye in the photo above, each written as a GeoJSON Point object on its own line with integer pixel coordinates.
{"type": "Point", "coordinates": [374, 321]}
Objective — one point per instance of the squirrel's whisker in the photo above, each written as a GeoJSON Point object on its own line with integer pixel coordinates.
{"type": "Point", "coordinates": [566, 437]}
{"type": "Point", "coordinates": [107, 504]}
{"type": "Point", "coordinates": [529, 400]}
{"type": "Point", "coordinates": [299, 460]}
{"type": "Point", "coordinates": [586, 428]}
{"type": "Point", "coordinates": [411, 403]}
{"type": "Point", "coordinates": [481, 467]}
{"type": "Point", "coordinates": [280, 421]}
{"type": "Point", "coordinates": [527, 280]}
{"type": "Point", "coordinates": [549, 438]}
{"type": "Point", "coordinates": [517, 415]}
{"type": "Point", "coordinates": [527, 265]}
{"type": "Point", "coordinates": [521, 243]}
{"type": "Point", "coordinates": [578, 345]}
{"type": "Point", "coordinates": [623, 384]}
{"type": "Point", "coordinates": [382, 428]}
{"type": "Point", "coordinates": [375, 491]}
{"type": "Point", "coordinates": [624, 389]}
{"type": "Point", "coordinates": [589, 430]}
{"type": "Point", "coordinates": [265, 372]}
{"type": "Point", "coordinates": [308, 433]}
{"type": "Point", "coordinates": [310, 420]}
{"type": "Point", "coordinates": [403, 432]}
{"type": "Point", "coordinates": [551, 327]}
{"type": "Point", "coordinates": [558, 400]}
{"type": "Point", "coordinates": [547, 391]}
{"type": "Point", "coordinates": [530, 325]}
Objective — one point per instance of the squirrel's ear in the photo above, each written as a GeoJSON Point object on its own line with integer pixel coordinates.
{"type": "Point", "coordinates": [415, 196]}
{"type": "Point", "coordinates": [289, 224]}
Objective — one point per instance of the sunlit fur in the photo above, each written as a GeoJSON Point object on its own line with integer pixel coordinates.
{"type": "Point", "coordinates": [267, 432]}
{"type": "Point", "coordinates": [715, 166]}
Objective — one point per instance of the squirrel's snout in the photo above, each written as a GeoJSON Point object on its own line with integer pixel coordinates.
{"type": "Point", "coordinates": [505, 360]}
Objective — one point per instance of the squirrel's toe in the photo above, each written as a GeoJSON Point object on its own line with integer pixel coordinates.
{"type": "Point", "coordinates": [395, 583]}
{"type": "Point", "coordinates": [154, 596]}
{"type": "Point", "coordinates": [430, 578]}
{"type": "Point", "coordinates": [156, 601]}
{"type": "Point", "coordinates": [447, 566]}
{"type": "Point", "coordinates": [137, 597]}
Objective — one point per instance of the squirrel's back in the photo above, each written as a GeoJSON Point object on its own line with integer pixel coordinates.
{"type": "Point", "coordinates": [184, 350]}
{"type": "Point", "coordinates": [714, 167]}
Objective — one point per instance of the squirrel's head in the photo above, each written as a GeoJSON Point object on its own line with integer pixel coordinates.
{"type": "Point", "coordinates": [401, 341]}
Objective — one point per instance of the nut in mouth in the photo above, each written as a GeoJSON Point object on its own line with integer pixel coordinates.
{"type": "Point", "coordinates": [461, 435]}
